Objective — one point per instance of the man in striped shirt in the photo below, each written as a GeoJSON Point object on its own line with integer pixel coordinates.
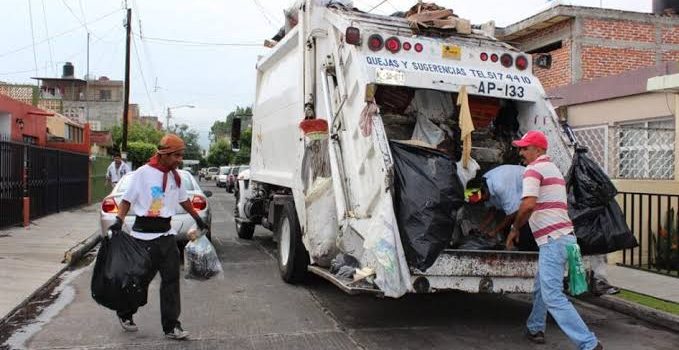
{"type": "Point", "coordinates": [544, 207]}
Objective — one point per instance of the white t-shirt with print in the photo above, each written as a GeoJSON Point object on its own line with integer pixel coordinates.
{"type": "Point", "coordinates": [147, 198]}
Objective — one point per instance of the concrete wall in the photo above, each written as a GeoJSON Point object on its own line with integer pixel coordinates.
{"type": "Point", "coordinates": [643, 106]}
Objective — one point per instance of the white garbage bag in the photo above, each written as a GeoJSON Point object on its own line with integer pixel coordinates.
{"type": "Point", "coordinates": [468, 173]}
{"type": "Point", "coordinates": [383, 252]}
{"type": "Point", "coordinates": [200, 259]}
{"type": "Point", "coordinates": [322, 221]}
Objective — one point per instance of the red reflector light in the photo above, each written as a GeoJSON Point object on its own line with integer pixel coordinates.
{"type": "Point", "coordinates": [484, 56]}
{"type": "Point", "coordinates": [393, 44]}
{"type": "Point", "coordinates": [407, 46]}
{"type": "Point", "coordinates": [521, 62]}
{"type": "Point", "coordinates": [494, 58]}
{"type": "Point", "coordinates": [199, 203]}
{"type": "Point", "coordinates": [507, 60]}
{"type": "Point", "coordinates": [375, 42]}
{"type": "Point", "coordinates": [419, 47]}
{"type": "Point", "coordinates": [109, 206]}
{"type": "Point", "coordinates": [352, 36]}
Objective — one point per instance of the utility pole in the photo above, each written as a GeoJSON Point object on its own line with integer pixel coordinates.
{"type": "Point", "coordinates": [167, 120]}
{"type": "Point", "coordinates": [126, 104]}
{"type": "Point", "coordinates": [87, 82]}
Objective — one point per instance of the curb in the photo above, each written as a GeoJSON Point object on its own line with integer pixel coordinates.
{"type": "Point", "coordinates": [71, 256]}
{"type": "Point", "coordinates": [656, 317]}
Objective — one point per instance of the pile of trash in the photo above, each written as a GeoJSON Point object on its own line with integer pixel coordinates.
{"type": "Point", "coordinates": [424, 16]}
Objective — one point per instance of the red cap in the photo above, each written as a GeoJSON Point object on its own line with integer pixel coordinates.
{"type": "Point", "coordinates": [532, 138]}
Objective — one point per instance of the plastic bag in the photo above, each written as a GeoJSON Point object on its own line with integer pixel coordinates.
{"type": "Point", "coordinates": [200, 259]}
{"type": "Point", "coordinates": [427, 132]}
{"type": "Point", "coordinates": [322, 220]}
{"type": "Point", "coordinates": [383, 252]}
{"type": "Point", "coordinates": [588, 183]}
{"type": "Point", "coordinates": [428, 193]}
{"type": "Point", "coordinates": [577, 274]}
{"type": "Point", "coordinates": [119, 280]}
{"type": "Point", "coordinates": [598, 221]}
{"type": "Point", "coordinates": [467, 174]}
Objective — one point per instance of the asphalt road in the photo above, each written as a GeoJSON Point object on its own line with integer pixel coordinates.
{"type": "Point", "coordinates": [250, 307]}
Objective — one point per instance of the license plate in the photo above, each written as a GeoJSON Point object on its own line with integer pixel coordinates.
{"type": "Point", "coordinates": [390, 77]}
{"type": "Point", "coordinates": [451, 51]}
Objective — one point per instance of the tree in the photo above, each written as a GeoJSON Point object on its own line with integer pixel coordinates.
{"type": "Point", "coordinates": [221, 129]}
{"type": "Point", "coordinates": [139, 152]}
{"type": "Point", "coordinates": [141, 132]}
{"type": "Point", "coordinates": [220, 153]}
{"type": "Point", "coordinates": [218, 131]}
{"type": "Point", "coordinates": [243, 154]}
{"type": "Point", "coordinates": [190, 138]}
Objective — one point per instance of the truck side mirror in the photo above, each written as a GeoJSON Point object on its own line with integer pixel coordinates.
{"type": "Point", "coordinates": [235, 134]}
{"type": "Point", "coordinates": [544, 60]}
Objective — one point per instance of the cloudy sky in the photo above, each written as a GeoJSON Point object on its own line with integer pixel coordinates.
{"type": "Point", "coordinates": [197, 52]}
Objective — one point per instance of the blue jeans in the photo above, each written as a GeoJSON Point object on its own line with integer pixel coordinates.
{"type": "Point", "coordinates": [549, 296]}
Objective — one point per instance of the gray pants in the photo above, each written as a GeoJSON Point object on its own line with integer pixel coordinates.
{"type": "Point", "coordinates": [597, 263]}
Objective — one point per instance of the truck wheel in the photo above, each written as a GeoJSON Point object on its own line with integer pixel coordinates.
{"type": "Point", "coordinates": [293, 257]}
{"type": "Point", "coordinates": [245, 230]}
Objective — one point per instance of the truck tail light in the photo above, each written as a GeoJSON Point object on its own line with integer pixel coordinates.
{"type": "Point", "coordinates": [393, 44]}
{"type": "Point", "coordinates": [407, 46]}
{"type": "Point", "coordinates": [494, 58]}
{"type": "Point", "coordinates": [109, 206]}
{"type": "Point", "coordinates": [199, 203]}
{"type": "Point", "coordinates": [484, 56]}
{"type": "Point", "coordinates": [506, 60]}
{"type": "Point", "coordinates": [419, 47]}
{"type": "Point", "coordinates": [521, 62]}
{"type": "Point", "coordinates": [375, 42]}
{"type": "Point", "coordinates": [352, 36]}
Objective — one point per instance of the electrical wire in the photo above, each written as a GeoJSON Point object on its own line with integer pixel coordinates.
{"type": "Point", "coordinates": [57, 35]}
{"type": "Point", "coordinates": [194, 43]}
{"type": "Point", "coordinates": [82, 23]}
{"type": "Point", "coordinates": [49, 42]}
{"type": "Point", "coordinates": [35, 55]}
{"type": "Point", "coordinates": [376, 6]}
{"type": "Point", "coordinates": [268, 17]}
{"type": "Point", "coordinates": [141, 73]}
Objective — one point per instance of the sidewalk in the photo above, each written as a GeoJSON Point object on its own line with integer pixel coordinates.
{"type": "Point", "coordinates": [31, 257]}
{"type": "Point", "coordinates": [651, 284]}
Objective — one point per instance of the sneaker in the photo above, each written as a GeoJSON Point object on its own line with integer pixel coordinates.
{"type": "Point", "coordinates": [601, 288]}
{"type": "Point", "coordinates": [177, 333]}
{"type": "Point", "coordinates": [128, 324]}
{"type": "Point", "coordinates": [537, 337]}
{"type": "Point", "coordinates": [598, 347]}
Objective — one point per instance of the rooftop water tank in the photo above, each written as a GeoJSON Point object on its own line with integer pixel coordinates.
{"type": "Point", "coordinates": [69, 70]}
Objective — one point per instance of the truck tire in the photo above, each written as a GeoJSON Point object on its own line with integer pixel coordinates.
{"type": "Point", "coordinates": [293, 257]}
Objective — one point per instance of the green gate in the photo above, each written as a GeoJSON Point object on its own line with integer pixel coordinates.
{"type": "Point", "coordinates": [98, 178]}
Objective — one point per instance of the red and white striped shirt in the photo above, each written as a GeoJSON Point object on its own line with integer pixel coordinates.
{"type": "Point", "coordinates": [542, 179]}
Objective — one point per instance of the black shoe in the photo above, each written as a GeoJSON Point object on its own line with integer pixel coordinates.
{"type": "Point", "coordinates": [128, 324]}
{"type": "Point", "coordinates": [601, 288]}
{"type": "Point", "coordinates": [537, 337]}
{"type": "Point", "coordinates": [177, 333]}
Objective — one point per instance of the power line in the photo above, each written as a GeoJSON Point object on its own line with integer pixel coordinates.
{"type": "Point", "coordinates": [35, 56]}
{"type": "Point", "coordinates": [49, 42]}
{"type": "Point", "coordinates": [58, 35]}
{"type": "Point", "coordinates": [376, 6]}
{"type": "Point", "coordinates": [74, 15]}
{"type": "Point", "coordinates": [141, 72]}
{"type": "Point", "coordinates": [194, 43]}
{"type": "Point", "coordinates": [265, 14]}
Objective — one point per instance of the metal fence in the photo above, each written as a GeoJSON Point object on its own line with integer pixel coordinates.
{"type": "Point", "coordinates": [632, 152]}
{"type": "Point", "coordinates": [654, 220]}
{"type": "Point", "coordinates": [55, 180]}
{"type": "Point", "coordinates": [11, 183]}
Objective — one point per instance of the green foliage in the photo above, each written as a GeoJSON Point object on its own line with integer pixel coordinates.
{"type": "Point", "coordinates": [136, 132]}
{"type": "Point", "coordinates": [243, 155]}
{"type": "Point", "coordinates": [190, 138]}
{"type": "Point", "coordinates": [139, 152]}
{"type": "Point", "coordinates": [220, 153]}
{"type": "Point", "coordinates": [221, 129]}
{"type": "Point", "coordinates": [218, 131]}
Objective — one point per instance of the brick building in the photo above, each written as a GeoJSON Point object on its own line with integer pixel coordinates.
{"type": "Point", "coordinates": [589, 43]}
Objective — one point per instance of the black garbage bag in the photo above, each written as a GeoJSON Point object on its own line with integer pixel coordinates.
{"type": "Point", "coordinates": [120, 273]}
{"type": "Point", "coordinates": [427, 194]}
{"type": "Point", "coordinates": [598, 221]}
{"type": "Point", "coordinates": [588, 183]}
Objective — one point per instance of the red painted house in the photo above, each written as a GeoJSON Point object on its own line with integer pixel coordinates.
{"type": "Point", "coordinates": [21, 122]}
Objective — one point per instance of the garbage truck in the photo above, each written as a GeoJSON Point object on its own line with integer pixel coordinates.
{"type": "Point", "coordinates": [362, 147]}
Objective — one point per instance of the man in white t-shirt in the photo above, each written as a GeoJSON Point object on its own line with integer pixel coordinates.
{"type": "Point", "coordinates": [155, 189]}
{"type": "Point", "coordinates": [116, 170]}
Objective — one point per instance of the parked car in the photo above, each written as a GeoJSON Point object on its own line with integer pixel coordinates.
{"type": "Point", "coordinates": [223, 176]}
{"type": "Point", "coordinates": [233, 176]}
{"type": "Point", "coordinates": [181, 222]}
{"type": "Point", "coordinates": [212, 173]}
{"type": "Point", "coordinates": [189, 170]}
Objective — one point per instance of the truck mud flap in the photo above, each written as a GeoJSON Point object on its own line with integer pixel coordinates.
{"type": "Point", "coordinates": [346, 285]}
{"type": "Point", "coordinates": [479, 271]}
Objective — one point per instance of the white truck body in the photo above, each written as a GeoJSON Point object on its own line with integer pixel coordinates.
{"type": "Point", "coordinates": [314, 65]}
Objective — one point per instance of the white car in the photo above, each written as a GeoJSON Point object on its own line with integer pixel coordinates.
{"type": "Point", "coordinates": [223, 176]}
{"type": "Point", "coordinates": [212, 173]}
{"type": "Point", "coordinates": [181, 222]}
